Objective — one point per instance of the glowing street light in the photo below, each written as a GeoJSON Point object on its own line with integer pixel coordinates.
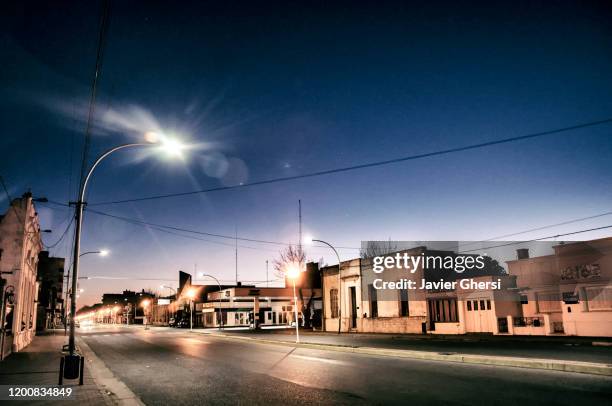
{"type": "Point", "coordinates": [145, 306]}
{"type": "Point", "coordinates": [293, 272]}
{"type": "Point", "coordinates": [309, 241]}
{"type": "Point", "coordinates": [191, 294]}
{"type": "Point", "coordinates": [152, 139]}
{"type": "Point", "coordinates": [102, 253]}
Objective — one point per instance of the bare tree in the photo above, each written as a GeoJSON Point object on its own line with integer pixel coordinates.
{"type": "Point", "coordinates": [289, 255]}
{"type": "Point", "coordinates": [377, 248]}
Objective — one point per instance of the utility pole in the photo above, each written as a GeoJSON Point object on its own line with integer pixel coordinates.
{"type": "Point", "coordinates": [300, 225]}
{"type": "Point", "coordinates": [236, 251]}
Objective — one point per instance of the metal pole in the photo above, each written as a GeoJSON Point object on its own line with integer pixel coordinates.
{"type": "Point", "coordinates": [77, 238]}
{"type": "Point", "coordinates": [297, 331]}
{"type": "Point", "coordinates": [339, 284]}
{"type": "Point", "coordinates": [191, 315]}
{"type": "Point", "coordinates": [219, 284]}
{"type": "Point", "coordinates": [75, 268]}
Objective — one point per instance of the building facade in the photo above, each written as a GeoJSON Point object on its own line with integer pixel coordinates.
{"type": "Point", "coordinates": [51, 286]}
{"type": "Point", "coordinates": [257, 307]}
{"type": "Point", "coordinates": [568, 292]}
{"type": "Point", "coordinates": [20, 244]}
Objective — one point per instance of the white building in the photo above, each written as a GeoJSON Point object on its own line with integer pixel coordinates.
{"type": "Point", "coordinates": [20, 244]}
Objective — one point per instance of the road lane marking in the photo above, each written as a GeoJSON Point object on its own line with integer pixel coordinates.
{"type": "Point", "coordinates": [317, 359]}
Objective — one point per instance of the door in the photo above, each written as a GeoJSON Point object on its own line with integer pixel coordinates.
{"type": "Point", "coordinates": [478, 316]}
{"type": "Point", "coordinates": [353, 295]}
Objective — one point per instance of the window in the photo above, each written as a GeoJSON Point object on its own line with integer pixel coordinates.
{"type": "Point", "coordinates": [373, 301]}
{"type": "Point", "coordinates": [469, 305]}
{"type": "Point", "coordinates": [443, 310]}
{"type": "Point", "coordinates": [475, 304]}
{"type": "Point", "coordinates": [333, 303]}
{"type": "Point", "coordinates": [524, 299]}
{"type": "Point", "coordinates": [403, 303]}
{"type": "Point", "coordinates": [549, 302]}
{"type": "Point", "coordinates": [488, 305]}
{"type": "Point", "coordinates": [599, 298]}
{"type": "Point", "coordinates": [482, 305]}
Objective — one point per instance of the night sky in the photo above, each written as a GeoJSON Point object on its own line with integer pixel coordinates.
{"type": "Point", "coordinates": [269, 90]}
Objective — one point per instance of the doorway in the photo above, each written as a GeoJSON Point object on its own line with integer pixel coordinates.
{"type": "Point", "coordinates": [353, 295]}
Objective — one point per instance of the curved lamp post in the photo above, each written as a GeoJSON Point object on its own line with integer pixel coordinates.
{"type": "Point", "coordinates": [339, 283]}
{"type": "Point", "coordinates": [102, 253]}
{"type": "Point", "coordinates": [220, 315]}
{"type": "Point", "coordinates": [171, 146]}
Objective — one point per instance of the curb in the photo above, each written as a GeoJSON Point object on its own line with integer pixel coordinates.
{"type": "Point", "coordinates": [115, 390]}
{"type": "Point", "coordinates": [517, 362]}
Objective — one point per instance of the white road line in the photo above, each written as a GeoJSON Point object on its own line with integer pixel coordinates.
{"type": "Point", "coordinates": [329, 361]}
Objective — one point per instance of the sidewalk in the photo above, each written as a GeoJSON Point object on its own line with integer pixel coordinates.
{"type": "Point", "coordinates": [38, 364]}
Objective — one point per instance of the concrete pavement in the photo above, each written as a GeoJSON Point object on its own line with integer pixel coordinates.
{"type": "Point", "coordinates": [38, 364]}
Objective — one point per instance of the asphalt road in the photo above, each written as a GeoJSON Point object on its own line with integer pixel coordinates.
{"type": "Point", "coordinates": [180, 368]}
{"type": "Point", "coordinates": [572, 349]}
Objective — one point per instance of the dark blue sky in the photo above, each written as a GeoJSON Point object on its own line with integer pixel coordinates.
{"type": "Point", "coordinates": [283, 89]}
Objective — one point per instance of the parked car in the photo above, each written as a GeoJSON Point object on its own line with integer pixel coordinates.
{"type": "Point", "coordinates": [183, 323]}
{"type": "Point", "coordinates": [172, 322]}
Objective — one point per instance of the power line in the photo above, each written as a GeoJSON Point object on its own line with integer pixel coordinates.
{"type": "Point", "coordinates": [165, 228]}
{"type": "Point", "coordinates": [168, 229]}
{"type": "Point", "coordinates": [537, 239]}
{"type": "Point", "coordinates": [61, 237]}
{"type": "Point", "coordinates": [363, 166]}
{"type": "Point", "coordinates": [102, 33]}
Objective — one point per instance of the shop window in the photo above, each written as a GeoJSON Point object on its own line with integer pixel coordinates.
{"type": "Point", "coordinates": [524, 299]}
{"type": "Point", "coordinates": [475, 304]}
{"type": "Point", "coordinates": [443, 310]}
{"type": "Point", "coordinates": [488, 305]}
{"type": "Point", "coordinates": [469, 305]}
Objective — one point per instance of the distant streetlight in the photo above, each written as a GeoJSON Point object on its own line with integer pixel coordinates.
{"type": "Point", "coordinates": [168, 287]}
{"type": "Point", "coordinates": [293, 272]}
{"type": "Point", "coordinates": [145, 306]}
{"type": "Point", "coordinates": [191, 292]}
{"type": "Point", "coordinates": [102, 253]}
{"type": "Point", "coordinates": [220, 315]}
{"type": "Point", "coordinates": [173, 147]}
{"type": "Point", "coordinates": [310, 240]}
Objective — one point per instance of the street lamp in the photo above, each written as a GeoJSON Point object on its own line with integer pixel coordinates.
{"type": "Point", "coordinates": [220, 316]}
{"type": "Point", "coordinates": [168, 287]}
{"type": "Point", "coordinates": [145, 306]}
{"type": "Point", "coordinates": [191, 292]}
{"type": "Point", "coordinates": [102, 253]}
{"type": "Point", "coordinates": [310, 241]}
{"type": "Point", "coordinates": [172, 146]}
{"type": "Point", "coordinates": [292, 272]}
